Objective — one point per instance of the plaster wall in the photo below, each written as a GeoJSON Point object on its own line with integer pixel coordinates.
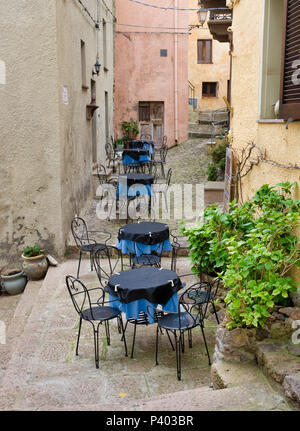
{"type": "Point", "coordinates": [30, 196]}
{"type": "Point", "coordinates": [141, 74]}
{"type": "Point", "coordinates": [74, 26]}
{"type": "Point", "coordinates": [46, 140]}
{"type": "Point", "coordinates": [217, 71]}
{"type": "Point", "coordinates": [276, 142]}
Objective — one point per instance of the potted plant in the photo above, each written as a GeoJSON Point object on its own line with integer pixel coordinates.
{"type": "Point", "coordinates": [130, 130]}
{"type": "Point", "coordinates": [35, 264]}
{"type": "Point", "coordinates": [14, 281]}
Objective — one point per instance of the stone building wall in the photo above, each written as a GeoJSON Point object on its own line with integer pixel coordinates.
{"type": "Point", "coordinates": [46, 141]}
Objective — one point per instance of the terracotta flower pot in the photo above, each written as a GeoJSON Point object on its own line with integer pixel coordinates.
{"type": "Point", "coordinates": [35, 267]}
{"type": "Point", "coordinates": [14, 281]}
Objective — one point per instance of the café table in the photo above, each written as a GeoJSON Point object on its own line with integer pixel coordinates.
{"type": "Point", "coordinates": [127, 180]}
{"type": "Point", "coordinates": [148, 235]}
{"type": "Point", "coordinates": [142, 290]}
{"type": "Point", "coordinates": [144, 144]}
{"type": "Point", "coordinates": [135, 156]}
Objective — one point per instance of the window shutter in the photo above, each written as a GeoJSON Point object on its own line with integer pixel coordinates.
{"type": "Point", "coordinates": [290, 72]}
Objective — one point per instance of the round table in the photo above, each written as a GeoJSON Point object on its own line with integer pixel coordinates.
{"type": "Point", "coordinates": [142, 289]}
{"type": "Point", "coordinates": [147, 233]}
{"type": "Point", "coordinates": [135, 178]}
{"type": "Point", "coordinates": [135, 156]}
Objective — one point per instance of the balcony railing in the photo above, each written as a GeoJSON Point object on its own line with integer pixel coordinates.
{"type": "Point", "coordinates": [215, 16]}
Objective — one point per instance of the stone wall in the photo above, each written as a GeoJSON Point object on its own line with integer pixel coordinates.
{"type": "Point", "coordinates": [46, 140]}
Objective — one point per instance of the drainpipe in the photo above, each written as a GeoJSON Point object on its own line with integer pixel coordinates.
{"type": "Point", "coordinates": [176, 73]}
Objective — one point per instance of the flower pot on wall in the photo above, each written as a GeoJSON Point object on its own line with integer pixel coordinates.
{"type": "Point", "coordinates": [35, 267]}
{"type": "Point", "coordinates": [14, 281]}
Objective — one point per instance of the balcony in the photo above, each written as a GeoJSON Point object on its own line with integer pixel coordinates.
{"type": "Point", "coordinates": [218, 24]}
{"type": "Point", "coordinates": [213, 3]}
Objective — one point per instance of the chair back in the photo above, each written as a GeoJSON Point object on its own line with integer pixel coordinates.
{"type": "Point", "coordinates": [79, 294]}
{"type": "Point", "coordinates": [107, 262]}
{"type": "Point", "coordinates": [80, 231]}
{"type": "Point", "coordinates": [169, 176]}
{"type": "Point", "coordinates": [108, 150]}
{"type": "Point", "coordinates": [147, 259]}
{"type": "Point", "coordinates": [192, 301]}
{"type": "Point", "coordinates": [146, 137]}
{"type": "Point", "coordinates": [163, 153]}
{"type": "Point", "coordinates": [101, 173]}
{"type": "Point", "coordinates": [164, 140]}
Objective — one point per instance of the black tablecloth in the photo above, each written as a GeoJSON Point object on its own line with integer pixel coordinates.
{"type": "Point", "coordinates": [148, 233]}
{"type": "Point", "coordinates": [139, 143]}
{"type": "Point", "coordinates": [155, 285]}
{"type": "Point", "coordinates": [135, 153]}
{"type": "Point", "coordinates": [137, 179]}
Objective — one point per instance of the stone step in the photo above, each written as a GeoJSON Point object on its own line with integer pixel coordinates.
{"type": "Point", "coordinates": [280, 361]}
{"type": "Point", "coordinates": [253, 397]}
{"type": "Point", "coordinates": [16, 324]}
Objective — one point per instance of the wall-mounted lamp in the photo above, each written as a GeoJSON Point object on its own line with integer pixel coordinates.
{"type": "Point", "coordinates": [96, 69]}
{"type": "Point", "coordinates": [202, 15]}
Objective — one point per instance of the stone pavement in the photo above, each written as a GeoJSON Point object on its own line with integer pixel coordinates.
{"type": "Point", "coordinates": [40, 371]}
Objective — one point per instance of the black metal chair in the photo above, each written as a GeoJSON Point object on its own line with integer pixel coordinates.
{"type": "Point", "coordinates": [189, 316]}
{"type": "Point", "coordinates": [84, 242]}
{"type": "Point", "coordinates": [102, 174]}
{"type": "Point", "coordinates": [163, 187]}
{"type": "Point", "coordinates": [179, 242]}
{"type": "Point", "coordinates": [107, 262]}
{"type": "Point", "coordinates": [160, 158]}
{"type": "Point", "coordinates": [93, 312]}
{"type": "Point", "coordinates": [208, 295]}
{"type": "Point", "coordinates": [113, 160]}
{"type": "Point", "coordinates": [139, 259]}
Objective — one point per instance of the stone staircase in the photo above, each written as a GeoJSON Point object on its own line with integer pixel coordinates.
{"type": "Point", "coordinates": [39, 334]}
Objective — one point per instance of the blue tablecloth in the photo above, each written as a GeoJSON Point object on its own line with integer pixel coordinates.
{"type": "Point", "coordinates": [134, 190]}
{"type": "Point", "coordinates": [146, 146]}
{"type": "Point", "coordinates": [128, 247]}
{"type": "Point", "coordinates": [132, 309]}
{"type": "Point", "coordinates": [129, 160]}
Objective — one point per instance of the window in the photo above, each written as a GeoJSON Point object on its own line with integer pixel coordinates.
{"type": "Point", "coordinates": [104, 46]}
{"type": "Point", "coordinates": [209, 89]}
{"type": "Point", "coordinates": [93, 92]}
{"type": "Point", "coordinates": [204, 51]}
{"type": "Point", "coordinates": [290, 68]}
{"type": "Point", "coordinates": [144, 111]}
{"type": "Point", "coordinates": [163, 52]}
{"type": "Point", "coordinates": [270, 58]}
{"type": "Point", "coordinates": [83, 66]}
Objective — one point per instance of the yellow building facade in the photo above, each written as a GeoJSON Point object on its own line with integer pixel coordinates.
{"type": "Point", "coordinates": [209, 65]}
{"type": "Point", "coordinates": [258, 30]}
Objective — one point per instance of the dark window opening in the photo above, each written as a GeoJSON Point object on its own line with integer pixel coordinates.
{"type": "Point", "coordinates": [163, 52]}
{"type": "Point", "coordinates": [209, 89]}
{"type": "Point", "coordinates": [204, 51]}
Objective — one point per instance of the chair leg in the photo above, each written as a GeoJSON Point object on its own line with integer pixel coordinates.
{"type": "Point", "coordinates": [166, 202]}
{"type": "Point", "coordinates": [190, 338]}
{"type": "Point", "coordinates": [91, 261]}
{"type": "Point", "coordinates": [215, 311]}
{"type": "Point", "coordinates": [178, 354]}
{"type": "Point", "coordinates": [123, 334]}
{"type": "Point", "coordinates": [78, 336]}
{"type": "Point", "coordinates": [79, 262]}
{"type": "Point", "coordinates": [96, 345]}
{"type": "Point", "coordinates": [122, 338]}
{"type": "Point", "coordinates": [209, 363]}
{"type": "Point", "coordinates": [173, 348]}
{"type": "Point", "coordinates": [182, 341]}
{"type": "Point", "coordinates": [156, 349]}
{"type": "Point", "coordinates": [107, 332]}
{"type": "Point", "coordinates": [133, 341]}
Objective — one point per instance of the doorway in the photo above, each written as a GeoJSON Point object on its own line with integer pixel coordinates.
{"type": "Point", "coordinates": [151, 120]}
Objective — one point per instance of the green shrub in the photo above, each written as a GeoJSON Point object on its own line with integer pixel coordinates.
{"type": "Point", "coordinates": [130, 129]}
{"type": "Point", "coordinates": [32, 251]}
{"type": "Point", "coordinates": [212, 173]}
{"type": "Point", "coordinates": [251, 248]}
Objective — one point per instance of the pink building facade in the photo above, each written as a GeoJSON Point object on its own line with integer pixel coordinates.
{"type": "Point", "coordinates": [151, 69]}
